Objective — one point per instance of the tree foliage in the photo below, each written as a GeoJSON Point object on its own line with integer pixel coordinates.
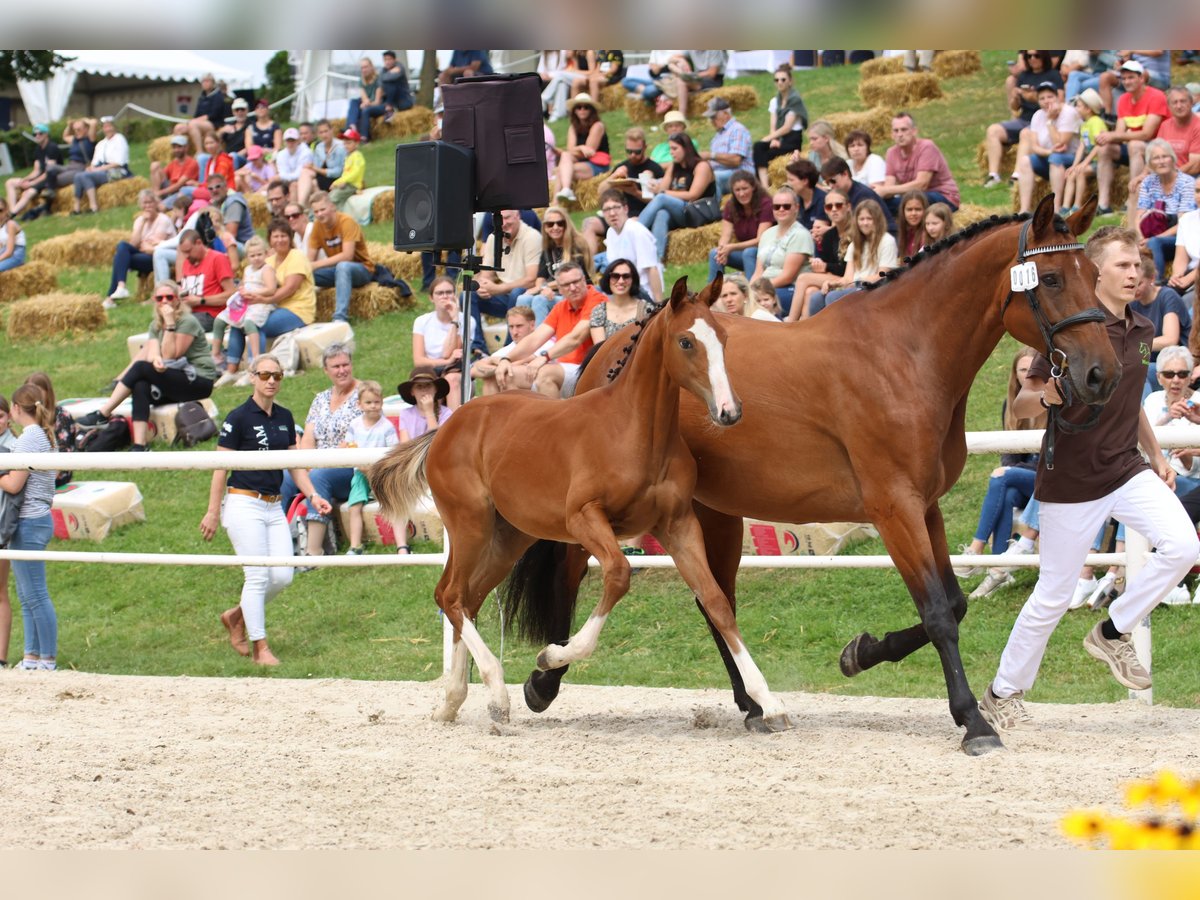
{"type": "Point", "coordinates": [29, 65]}
{"type": "Point", "coordinates": [280, 80]}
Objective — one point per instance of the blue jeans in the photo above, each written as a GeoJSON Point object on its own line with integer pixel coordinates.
{"type": "Point", "coordinates": [650, 89]}
{"type": "Point", "coordinates": [397, 95]}
{"type": "Point", "coordinates": [128, 257]}
{"type": "Point", "coordinates": [360, 116]}
{"type": "Point", "coordinates": [280, 321]}
{"type": "Point", "coordinates": [542, 306]}
{"type": "Point", "coordinates": [496, 305]}
{"type": "Point", "coordinates": [17, 259]}
{"type": "Point", "coordinates": [37, 609]}
{"type": "Point", "coordinates": [429, 270]}
{"type": "Point", "coordinates": [332, 484]}
{"type": "Point", "coordinates": [1013, 488]}
{"type": "Point", "coordinates": [745, 260]}
{"type": "Point", "coordinates": [1162, 248]}
{"type": "Point", "coordinates": [819, 301]}
{"type": "Point", "coordinates": [662, 214]}
{"type": "Point", "coordinates": [1079, 81]}
{"type": "Point", "coordinates": [343, 277]}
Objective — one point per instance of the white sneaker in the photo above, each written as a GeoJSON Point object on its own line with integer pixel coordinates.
{"type": "Point", "coordinates": [1177, 596]}
{"type": "Point", "coordinates": [1015, 549]}
{"type": "Point", "coordinates": [108, 303]}
{"type": "Point", "coordinates": [226, 378]}
{"type": "Point", "coordinates": [565, 194]}
{"type": "Point", "coordinates": [121, 293]}
{"type": "Point", "coordinates": [1105, 592]}
{"type": "Point", "coordinates": [967, 571]}
{"type": "Point", "coordinates": [1083, 590]}
{"type": "Point", "coordinates": [996, 579]}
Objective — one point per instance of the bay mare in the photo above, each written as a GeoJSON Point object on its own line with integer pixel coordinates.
{"type": "Point", "coordinates": [861, 410]}
{"type": "Point", "coordinates": [512, 468]}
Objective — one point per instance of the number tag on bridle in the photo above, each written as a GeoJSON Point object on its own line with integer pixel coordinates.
{"type": "Point", "coordinates": [1024, 276]}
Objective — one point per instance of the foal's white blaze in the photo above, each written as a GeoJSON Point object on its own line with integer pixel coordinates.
{"type": "Point", "coordinates": [718, 378]}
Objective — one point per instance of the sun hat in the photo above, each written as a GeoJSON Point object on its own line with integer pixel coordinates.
{"type": "Point", "coordinates": [423, 375]}
{"type": "Point", "coordinates": [674, 115]}
{"type": "Point", "coordinates": [291, 134]}
{"type": "Point", "coordinates": [1092, 99]}
{"type": "Point", "coordinates": [255, 152]}
{"type": "Point", "coordinates": [584, 99]}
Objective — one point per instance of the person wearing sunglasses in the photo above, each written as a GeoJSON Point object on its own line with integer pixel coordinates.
{"type": "Point", "coordinates": [838, 175]}
{"type": "Point", "coordinates": [174, 365]}
{"type": "Point", "coordinates": [784, 249]}
{"type": "Point", "coordinates": [789, 118]}
{"type": "Point", "coordinates": [830, 259]}
{"type": "Point", "coordinates": [636, 167]}
{"type": "Point", "coordinates": [246, 503]}
{"type": "Point", "coordinates": [1168, 406]}
{"type": "Point", "coordinates": [745, 216]}
{"type": "Point", "coordinates": [560, 243]}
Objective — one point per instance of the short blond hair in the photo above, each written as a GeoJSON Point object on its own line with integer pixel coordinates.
{"type": "Point", "coordinates": [256, 243]}
{"type": "Point", "coordinates": [370, 387]}
{"type": "Point", "coordinates": [1105, 237]}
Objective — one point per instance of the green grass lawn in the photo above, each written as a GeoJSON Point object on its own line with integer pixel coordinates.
{"type": "Point", "coordinates": [383, 624]}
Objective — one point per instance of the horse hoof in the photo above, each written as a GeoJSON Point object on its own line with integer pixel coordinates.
{"type": "Point", "coordinates": [978, 746]}
{"type": "Point", "coordinates": [499, 714]}
{"type": "Point", "coordinates": [848, 662]}
{"type": "Point", "coordinates": [778, 723]}
{"type": "Point", "coordinates": [444, 715]}
{"type": "Point", "coordinates": [535, 701]}
{"type": "Point", "coordinates": [543, 662]}
{"type": "Point", "coordinates": [756, 724]}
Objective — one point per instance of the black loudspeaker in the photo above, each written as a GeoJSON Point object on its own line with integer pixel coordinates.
{"type": "Point", "coordinates": [434, 194]}
{"type": "Point", "coordinates": [500, 118]}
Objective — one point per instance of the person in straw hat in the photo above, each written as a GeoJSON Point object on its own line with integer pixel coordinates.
{"type": "Point", "coordinates": [587, 153]}
{"type": "Point", "coordinates": [425, 393]}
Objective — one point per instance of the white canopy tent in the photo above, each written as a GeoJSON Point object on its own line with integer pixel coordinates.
{"type": "Point", "coordinates": [95, 72]}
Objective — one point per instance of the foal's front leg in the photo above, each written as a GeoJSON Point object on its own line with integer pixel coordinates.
{"type": "Point", "coordinates": [684, 540]}
{"type": "Point", "coordinates": [590, 526]}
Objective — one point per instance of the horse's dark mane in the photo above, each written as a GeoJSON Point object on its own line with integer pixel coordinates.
{"type": "Point", "coordinates": [628, 351]}
{"type": "Point", "coordinates": [958, 237]}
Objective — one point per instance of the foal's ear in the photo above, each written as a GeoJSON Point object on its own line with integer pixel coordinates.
{"type": "Point", "coordinates": [679, 293]}
{"type": "Point", "coordinates": [1081, 220]}
{"type": "Point", "coordinates": [1043, 217]}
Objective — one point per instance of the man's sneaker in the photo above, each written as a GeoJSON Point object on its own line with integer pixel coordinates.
{"type": "Point", "coordinates": [996, 579]}
{"type": "Point", "coordinates": [1004, 713]}
{"type": "Point", "coordinates": [355, 551]}
{"type": "Point", "coordinates": [1083, 590]}
{"type": "Point", "coordinates": [1105, 593]}
{"type": "Point", "coordinates": [121, 293]}
{"type": "Point", "coordinates": [226, 378]}
{"type": "Point", "coordinates": [94, 419]}
{"type": "Point", "coordinates": [1104, 210]}
{"type": "Point", "coordinates": [1120, 656]}
{"type": "Point", "coordinates": [967, 571]}
{"type": "Point", "coordinates": [1014, 548]}
{"type": "Point", "coordinates": [1178, 596]}
{"type": "Point", "coordinates": [991, 181]}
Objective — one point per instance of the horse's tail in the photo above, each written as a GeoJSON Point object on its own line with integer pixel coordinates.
{"type": "Point", "coordinates": [398, 480]}
{"type": "Point", "coordinates": [537, 598]}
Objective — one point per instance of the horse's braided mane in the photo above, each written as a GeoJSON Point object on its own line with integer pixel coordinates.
{"type": "Point", "coordinates": [957, 238]}
{"type": "Point", "coordinates": [628, 351]}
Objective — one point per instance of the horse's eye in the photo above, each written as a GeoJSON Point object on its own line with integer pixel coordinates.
{"type": "Point", "coordinates": [1050, 280]}
{"type": "Point", "coordinates": [685, 343]}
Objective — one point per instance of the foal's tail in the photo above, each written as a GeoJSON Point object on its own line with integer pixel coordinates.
{"type": "Point", "coordinates": [537, 598]}
{"type": "Point", "coordinates": [398, 480]}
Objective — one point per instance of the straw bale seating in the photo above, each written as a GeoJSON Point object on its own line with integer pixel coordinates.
{"type": "Point", "coordinates": [159, 149]}
{"type": "Point", "coordinates": [86, 247]}
{"type": "Point", "coordinates": [907, 89]}
{"type": "Point", "coordinates": [410, 122]}
{"type": "Point", "coordinates": [56, 313]}
{"type": "Point", "coordinates": [955, 63]}
{"type": "Point", "coordinates": [877, 122]}
{"type": "Point", "coordinates": [880, 66]}
{"type": "Point", "coordinates": [741, 97]}
{"type": "Point", "coordinates": [400, 263]}
{"type": "Point", "coordinates": [612, 98]}
{"type": "Point", "coordinates": [383, 207]}
{"type": "Point", "coordinates": [366, 302]}
{"type": "Point", "coordinates": [1008, 162]}
{"type": "Point", "coordinates": [686, 246]}
{"type": "Point", "coordinates": [108, 196]}
{"type": "Point", "coordinates": [34, 277]}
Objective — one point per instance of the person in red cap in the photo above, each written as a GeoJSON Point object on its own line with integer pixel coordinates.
{"type": "Point", "coordinates": [353, 172]}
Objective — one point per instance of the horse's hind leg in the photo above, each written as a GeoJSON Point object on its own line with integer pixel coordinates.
{"type": "Point", "coordinates": [590, 526]}
{"type": "Point", "coordinates": [542, 686]}
{"type": "Point", "coordinates": [456, 684]}
{"type": "Point", "coordinates": [866, 651]}
{"type": "Point", "coordinates": [685, 541]}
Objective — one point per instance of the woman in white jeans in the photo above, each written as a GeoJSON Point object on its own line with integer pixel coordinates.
{"type": "Point", "coordinates": [251, 512]}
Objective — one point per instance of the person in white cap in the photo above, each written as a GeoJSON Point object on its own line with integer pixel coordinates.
{"type": "Point", "coordinates": [233, 133]}
{"type": "Point", "coordinates": [110, 162]}
{"type": "Point", "coordinates": [291, 160]}
{"type": "Point", "coordinates": [179, 176]}
{"type": "Point", "coordinates": [21, 191]}
{"type": "Point", "coordinates": [1140, 110]}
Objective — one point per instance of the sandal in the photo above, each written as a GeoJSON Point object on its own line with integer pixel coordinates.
{"type": "Point", "coordinates": [403, 550]}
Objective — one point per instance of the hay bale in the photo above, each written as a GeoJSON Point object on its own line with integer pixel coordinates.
{"type": "Point", "coordinates": [86, 247]}
{"type": "Point", "coordinates": [901, 91]}
{"type": "Point", "coordinates": [33, 277]}
{"type": "Point", "coordinates": [612, 97]}
{"type": "Point", "coordinates": [108, 196]}
{"type": "Point", "coordinates": [49, 314]}
{"type": "Point", "coordinates": [970, 213]}
{"type": "Point", "coordinates": [640, 112]}
{"type": "Point", "coordinates": [587, 192]}
{"type": "Point", "coordinates": [1041, 187]}
{"type": "Point", "coordinates": [418, 120]}
{"type": "Point", "coordinates": [260, 212]}
{"type": "Point", "coordinates": [383, 207]}
{"type": "Point", "coordinates": [366, 302]}
{"type": "Point", "coordinates": [777, 171]}
{"type": "Point", "coordinates": [880, 66]}
{"type": "Point", "coordinates": [159, 149]}
{"type": "Point", "coordinates": [686, 246]}
{"type": "Point", "coordinates": [876, 122]}
{"type": "Point", "coordinates": [955, 63]}
{"type": "Point", "coordinates": [400, 263]}
{"type": "Point", "coordinates": [1008, 162]}
{"type": "Point", "coordinates": [741, 97]}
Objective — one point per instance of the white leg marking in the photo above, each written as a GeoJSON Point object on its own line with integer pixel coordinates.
{"type": "Point", "coordinates": [456, 685]}
{"type": "Point", "coordinates": [581, 646]}
{"type": "Point", "coordinates": [756, 685]}
{"type": "Point", "coordinates": [718, 378]}
{"type": "Point", "coordinates": [490, 669]}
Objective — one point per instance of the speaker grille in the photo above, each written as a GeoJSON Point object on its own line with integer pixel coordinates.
{"type": "Point", "coordinates": [416, 207]}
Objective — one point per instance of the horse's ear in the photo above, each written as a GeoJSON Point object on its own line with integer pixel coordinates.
{"type": "Point", "coordinates": [712, 290]}
{"type": "Point", "coordinates": [1043, 217]}
{"type": "Point", "coordinates": [679, 293]}
{"type": "Point", "coordinates": [1081, 220]}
